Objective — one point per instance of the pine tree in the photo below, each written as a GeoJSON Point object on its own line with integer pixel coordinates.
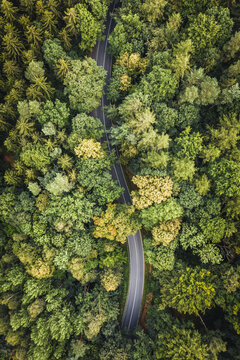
{"type": "Point", "coordinates": [28, 56]}
{"type": "Point", "coordinates": [24, 126]}
{"type": "Point", "coordinates": [11, 177]}
{"type": "Point", "coordinates": [65, 162]}
{"type": "Point", "coordinates": [28, 6]}
{"type": "Point", "coordinates": [180, 63]}
{"type": "Point", "coordinates": [4, 124]}
{"type": "Point", "coordinates": [11, 43]}
{"type": "Point", "coordinates": [34, 35]}
{"type": "Point", "coordinates": [65, 37]}
{"type": "Point", "coordinates": [11, 69]}
{"type": "Point", "coordinates": [40, 8]}
{"type": "Point", "coordinates": [49, 22]}
{"type": "Point", "coordinates": [40, 90]}
{"type": "Point", "coordinates": [53, 6]}
{"type": "Point", "coordinates": [8, 10]}
{"type": "Point", "coordinates": [71, 20]}
{"type": "Point", "coordinates": [62, 67]}
{"type": "Point", "coordinates": [24, 21]}
{"type": "Point", "coordinates": [30, 175]}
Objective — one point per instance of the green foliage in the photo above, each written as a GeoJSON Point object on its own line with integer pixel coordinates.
{"type": "Point", "coordinates": [167, 210]}
{"type": "Point", "coordinates": [183, 169]}
{"type": "Point", "coordinates": [57, 113]}
{"type": "Point", "coordinates": [159, 84]}
{"type": "Point", "coordinates": [84, 85]}
{"type": "Point", "coordinates": [193, 7]}
{"type": "Point", "coordinates": [199, 88]}
{"type": "Point", "coordinates": [88, 27]}
{"type": "Point", "coordinates": [179, 340]}
{"type": "Point", "coordinates": [87, 126]}
{"type": "Point", "coordinates": [52, 51]}
{"type": "Point", "coordinates": [189, 290]}
{"type": "Point", "coordinates": [153, 10]}
{"type": "Point", "coordinates": [166, 117]}
{"type": "Point", "coordinates": [175, 84]}
{"type": "Point", "coordinates": [180, 63]}
{"type": "Point", "coordinates": [161, 257]}
{"type": "Point", "coordinates": [223, 18]}
{"type": "Point", "coordinates": [34, 70]}
{"type": "Point", "coordinates": [35, 156]}
{"type": "Point", "coordinates": [59, 185]}
{"type": "Point", "coordinates": [80, 212]}
{"type": "Point", "coordinates": [232, 47]}
{"type": "Point", "coordinates": [188, 197]}
{"type": "Point", "coordinates": [34, 188]}
{"type": "Point", "coordinates": [188, 144]}
{"type": "Point", "coordinates": [116, 223]}
{"type": "Point", "coordinates": [127, 35]}
{"type": "Point", "coordinates": [114, 258]}
{"type": "Point", "coordinates": [204, 31]}
{"type": "Point", "coordinates": [111, 280]}
{"type": "Point", "coordinates": [225, 184]}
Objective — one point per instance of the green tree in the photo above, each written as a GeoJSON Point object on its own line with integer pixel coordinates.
{"type": "Point", "coordinates": [183, 169]}
{"type": "Point", "coordinates": [188, 290]}
{"type": "Point", "coordinates": [53, 51]}
{"type": "Point", "coordinates": [167, 210]}
{"type": "Point", "coordinates": [88, 27]}
{"type": "Point", "coordinates": [232, 47]}
{"type": "Point", "coordinates": [8, 10]}
{"type": "Point", "coordinates": [59, 184]}
{"type": "Point", "coordinates": [111, 279]}
{"type": "Point", "coordinates": [151, 190]}
{"type": "Point", "coordinates": [188, 144]}
{"type": "Point", "coordinates": [80, 212]}
{"type": "Point", "coordinates": [11, 43]}
{"type": "Point", "coordinates": [199, 88]}
{"type": "Point", "coordinates": [180, 340]}
{"type": "Point", "coordinates": [87, 126]}
{"type": "Point", "coordinates": [159, 84]}
{"type": "Point", "coordinates": [84, 85]}
{"type": "Point", "coordinates": [127, 35]}
{"type": "Point", "coordinates": [57, 113]}
{"type": "Point", "coordinates": [153, 10]}
{"type": "Point", "coordinates": [36, 156]}
{"type": "Point", "coordinates": [225, 185]}
{"type": "Point", "coordinates": [204, 31]}
{"type": "Point", "coordinates": [34, 70]}
{"type": "Point", "coordinates": [116, 223]}
{"type": "Point", "coordinates": [181, 61]}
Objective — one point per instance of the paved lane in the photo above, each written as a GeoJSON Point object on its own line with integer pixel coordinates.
{"type": "Point", "coordinates": [135, 246]}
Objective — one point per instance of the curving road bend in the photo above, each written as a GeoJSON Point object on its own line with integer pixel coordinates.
{"type": "Point", "coordinates": [135, 246]}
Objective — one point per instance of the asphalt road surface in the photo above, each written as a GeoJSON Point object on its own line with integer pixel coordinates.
{"type": "Point", "coordinates": [135, 246]}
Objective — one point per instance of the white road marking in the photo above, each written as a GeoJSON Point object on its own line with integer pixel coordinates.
{"type": "Point", "coordinates": [126, 187]}
{"type": "Point", "coordinates": [102, 103]}
{"type": "Point", "coordinates": [135, 292]}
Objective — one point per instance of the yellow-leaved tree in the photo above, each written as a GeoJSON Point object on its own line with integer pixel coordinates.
{"type": "Point", "coordinates": [152, 189]}
{"type": "Point", "coordinates": [166, 231]}
{"type": "Point", "coordinates": [88, 148]}
{"type": "Point", "coordinates": [111, 279]}
{"type": "Point", "coordinates": [116, 223]}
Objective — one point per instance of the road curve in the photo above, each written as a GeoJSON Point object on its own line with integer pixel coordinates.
{"type": "Point", "coordinates": [135, 246]}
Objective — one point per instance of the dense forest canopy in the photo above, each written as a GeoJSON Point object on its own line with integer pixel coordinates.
{"type": "Point", "coordinates": [174, 103]}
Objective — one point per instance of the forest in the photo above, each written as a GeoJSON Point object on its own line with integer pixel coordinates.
{"type": "Point", "coordinates": [174, 104]}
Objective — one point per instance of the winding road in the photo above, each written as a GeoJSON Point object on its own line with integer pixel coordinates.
{"type": "Point", "coordinates": [135, 246]}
